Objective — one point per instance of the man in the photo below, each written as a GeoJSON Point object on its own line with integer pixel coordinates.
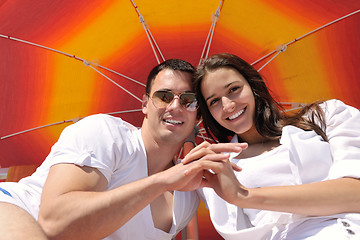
{"type": "Point", "coordinates": [106, 179]}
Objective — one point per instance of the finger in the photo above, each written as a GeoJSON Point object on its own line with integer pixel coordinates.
{"type": "Point", "coordinates": [236, 167]}
{"type": "Point", "coordinates": [207, 148]}
{"type": "Point", "coordinates": [228, 147]}
{"type": "Point", "coordinates": [214, 157]}
{"type": "Point", "coordinates": [195, 155]}
{"type": "Point", "coordinates": [208, 165]}
{"type": "Point", "coordinates": [205, 154]}
{"type": "Point", "coordinates": [220, 147]}
{"type": "Point", "coordinates": [204, 144]}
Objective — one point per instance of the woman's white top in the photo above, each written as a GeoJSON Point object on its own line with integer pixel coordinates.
{"type": "Point", "coordinates": [302, 157]}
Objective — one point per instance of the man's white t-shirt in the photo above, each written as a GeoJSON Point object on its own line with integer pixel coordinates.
{"type": "Point", "coordinates": [116, 149]}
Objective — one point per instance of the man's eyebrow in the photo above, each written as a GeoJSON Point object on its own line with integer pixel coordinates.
{"type": "Point", "coordinates": [169, 90]}
{"type": "Point", "coordinates": [164, 89]}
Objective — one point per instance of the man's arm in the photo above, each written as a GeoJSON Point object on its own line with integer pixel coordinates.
{"type": "Point", "coordinates": [76, 205]}
{"type": "Point", "coordinates": [17, 224]}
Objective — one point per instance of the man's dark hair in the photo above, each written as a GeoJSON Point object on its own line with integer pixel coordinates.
{"type": "Point", "coordinates": [172, 64]}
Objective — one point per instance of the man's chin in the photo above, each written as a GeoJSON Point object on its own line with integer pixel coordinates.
{"type": "Point", "coordinates": [173, 137]}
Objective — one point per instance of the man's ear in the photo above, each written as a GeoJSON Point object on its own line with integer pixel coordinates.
{"type": "Point", "coordinates": [144, 103]}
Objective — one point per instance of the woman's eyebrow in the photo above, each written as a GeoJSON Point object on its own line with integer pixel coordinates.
{"type": "Point", "coordinates": [209, 97]}
{"type": "Point", "coordinates": [226, 86]}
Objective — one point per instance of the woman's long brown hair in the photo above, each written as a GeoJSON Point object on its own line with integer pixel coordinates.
{"type": "Point", "coordinates": [269, 115]}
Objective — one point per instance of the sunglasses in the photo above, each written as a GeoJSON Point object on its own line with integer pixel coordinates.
{"type": "Point", "coordinates": [162, 99]}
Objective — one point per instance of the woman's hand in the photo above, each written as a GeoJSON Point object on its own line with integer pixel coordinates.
{"type": "Point", "coordinates": [214, 152]}
{"type": "Point", "coordinates": [217, 170]}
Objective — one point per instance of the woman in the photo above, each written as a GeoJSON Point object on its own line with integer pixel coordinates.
{"type": "Point", "coordinates": [300, 173]}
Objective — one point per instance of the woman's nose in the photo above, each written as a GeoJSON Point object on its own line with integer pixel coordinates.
{"type": "Point", "coordinates": [228, 105]}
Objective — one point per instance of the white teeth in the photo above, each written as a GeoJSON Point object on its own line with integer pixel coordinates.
{"type": "Point", "coordinates": [236, 115]}
{"type": "Point", "coordinates": [173, 121]}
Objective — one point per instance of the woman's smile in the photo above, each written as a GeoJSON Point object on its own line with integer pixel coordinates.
{"type": "Point", "coordinates": [236, 115]}
{"type": "Point", "coordinates": [230, 101]}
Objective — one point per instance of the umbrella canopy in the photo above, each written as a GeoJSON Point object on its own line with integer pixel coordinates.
{"type": "Point", "coordinates": [61, 60]}
{"type": "Point", "coordinates": [63, 82]}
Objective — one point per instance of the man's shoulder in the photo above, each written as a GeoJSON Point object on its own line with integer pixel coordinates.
{"type": "Point", "coordinates": [106, 120]}
{"type": "Point", "coordinates": [101, 117]}
{"type": "Point", "coordinates": [99, 130]}
{"type": "Point", "coordinates": [99, 125]}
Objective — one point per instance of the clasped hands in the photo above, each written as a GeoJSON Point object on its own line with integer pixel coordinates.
{"type": "Point", "coordinates": [211, 161]}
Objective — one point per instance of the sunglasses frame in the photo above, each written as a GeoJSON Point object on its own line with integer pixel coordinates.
{"type": "Point", "coordinates": [165, 104]}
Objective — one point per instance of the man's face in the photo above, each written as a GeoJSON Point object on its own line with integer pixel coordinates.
{"type": "Point", "coordinates": [172, 123]}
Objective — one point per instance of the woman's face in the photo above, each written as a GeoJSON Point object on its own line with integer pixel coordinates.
{"type": "Point", "coordinates": [230, 100]}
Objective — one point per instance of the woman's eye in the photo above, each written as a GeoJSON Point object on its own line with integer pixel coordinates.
{"type": "Point", "coordinates": [233, 89]}
{"type": "Point", "coordinates": [212, 102]}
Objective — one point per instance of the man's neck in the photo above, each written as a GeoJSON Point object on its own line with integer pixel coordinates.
{"type": "Point", "coordinates": [160, 155]}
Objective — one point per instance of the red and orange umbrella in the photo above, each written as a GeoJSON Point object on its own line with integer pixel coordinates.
{"type": "Point", "coordinates": [61, 60]}
{"type": "Point", "coordinates": [41, 86]}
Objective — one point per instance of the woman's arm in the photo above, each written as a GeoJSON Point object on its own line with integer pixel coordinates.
{"type": "Point", "coordinates": [320, 198]}
{"type": "Point", "coordinates": [315, 199]}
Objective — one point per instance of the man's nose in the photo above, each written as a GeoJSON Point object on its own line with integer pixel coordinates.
{"type": "Point", "coordinates": [174, 103]}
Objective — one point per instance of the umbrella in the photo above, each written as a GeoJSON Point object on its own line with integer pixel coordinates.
{"type": "Point", "coordinates": [62, 60]}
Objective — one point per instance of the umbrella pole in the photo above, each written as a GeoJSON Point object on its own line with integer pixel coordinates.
{"type": "Point", "coordinates": [192, 229]}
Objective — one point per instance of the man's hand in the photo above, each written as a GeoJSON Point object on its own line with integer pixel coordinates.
{"type": "Point", "coordinates": [217, 170]}
{"type": "Point", "coordinates": [214, 152]}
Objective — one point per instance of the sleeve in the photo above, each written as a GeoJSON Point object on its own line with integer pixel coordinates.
{"type": "Point", "coordinates": [343, 132]}
{"type": "Point", "coordinates": [95, 141]}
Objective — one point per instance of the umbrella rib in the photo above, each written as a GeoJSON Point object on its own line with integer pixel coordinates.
{"type": "Point", "coordinates": [210, 40]}
{"type": "Point", "coordinates": [157, 46]}
{"type": "Point", "coordinates": [264, 57]}
{"type": "Point", "coordinates": [206, 42]}
{"type": "Point", "coordinates": [211, 32]}
{"type": "Point", "coordinates": [36, 128]}
{"type": "Point", "coordinates": [87, 63]}
{"type": "Point", "coordinates": [149, 35]}
{"type": "Point", "coordinates": [130, 93]}
{"type": "Point", "coordinates": [283, 47]}
{"type": "Point", "coordinates": [69, 55]}
{"type": "Point", "coordinates": [74, 120]}
{"type": "Point", "coordinates": [278, 52]}
{"type": "Point", "coordinates": [217, 15]}
{"type": "Point", "coordinates": [125, 111]}
{"type": "Point", "coordinates": [151, 44]}
{"type": "Point", "coordinates": [122, 75]}
{"type": "Point", "coordinates": [37, 45]}
{"type": "Point", "coordinates": [324, 26]}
